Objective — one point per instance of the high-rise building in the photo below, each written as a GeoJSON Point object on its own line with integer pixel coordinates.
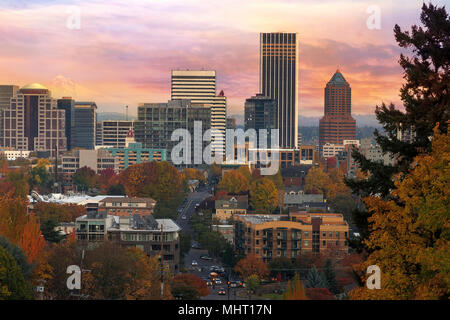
{"type": "Point", "coordinates": [6, 93]}
{"type": "Point", "coordinates": [278, 80]}
{"type": "Point", "coordinates": [68, 104]}
{"type": "Point", "coordinates": [33, 122]}
{"type": "Point", "coordinates": [84, 131]}
{"type": "Point", "coordinates": [113, 132]}
{"type": "Point", "coordinates": [157, 121]}
{"type": "Point", "coordinates": [199, 86]}
{"type": "Point", "coordinates": [337, 123]}
{"type": "Point", "coordinates": [260, 113]}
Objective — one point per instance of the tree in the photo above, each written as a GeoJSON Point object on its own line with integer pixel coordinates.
{"type": "Point", "coordinates": [251, 284]}
{"type": "Point", "coordinates": [13, 217]}
{"type": "Point", "coordinates": [251, 265]}
{"type": "Point", "coordinates": [234, 182]}
{"type": "Point", "coordinates": [39, 176]}
{"type": "Point", "coordinates": [315, 279]}
{"type": "Point", "coordinates": [263, 196]}
{"type": "Point", "coordinates": [330, 277]}
{"type": "Point", "coordinates": [189, 286]}
{"type": "Point", "coordinates": [426, 99]}
{"type": "Point", "coordinates": [49, 232]}
{"type": "Point", "coordinates": [283, 266]}
{"type": "Point", "coordinates": [19, 179]}
{"type": "Point", "coordinates": [317, 181]}
{"type": "Point", "coordinates": [17, 253]}
{"type": "Point", "coordinates": [85, 178]}
{"type": "Point", "coordinates": [12, 283]}
{"type": "Point", "coordinates": [158, 180]}
{"type": "Point", "coordinates": [319, 294]}
{"type": "Point", "coordinates": [409, 236]}
{"type": "Point", "coordinates": [194, 174]}
{"type": "Point", "coordinates": [295, 289]}
{"type": "Point", "coordinates": [32, 241]}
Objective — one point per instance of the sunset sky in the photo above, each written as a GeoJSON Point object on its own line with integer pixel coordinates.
{"type": "Point", "coordinates": [125, 50]}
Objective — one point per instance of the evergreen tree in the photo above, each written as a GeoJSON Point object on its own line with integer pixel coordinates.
{"type": "Point", "coordinates": [17, 253]}
{"type": "Point", "coordinates": [315, 279]}
{"type": "Point", "coordinates": [426, 100]}
{"type": "Point", "coordinates": [330, 276]}
{"type": "Point", "coordinates": [49, 232]}
{"type": "Point", "coordinates": [12, 283]}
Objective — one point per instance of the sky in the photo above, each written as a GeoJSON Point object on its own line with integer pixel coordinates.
{"type": "Point", "coordinates": [123, 51]}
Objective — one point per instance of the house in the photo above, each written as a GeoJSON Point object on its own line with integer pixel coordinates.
{"type": "Point", "coordinates": [228, 205]}
{"type": "Point", "coordinates": [125, 206]}
{"type": "Point", "coordinates": [300, 200]}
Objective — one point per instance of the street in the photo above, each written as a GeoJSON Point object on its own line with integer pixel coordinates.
{"type": "Point", "coordinates": [202, 269]}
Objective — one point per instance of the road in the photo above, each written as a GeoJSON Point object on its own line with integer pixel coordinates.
{"type": "Point", "coordinates": [202, 269]}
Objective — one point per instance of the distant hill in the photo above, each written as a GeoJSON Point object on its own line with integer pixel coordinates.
{"type": "Point", "coordinates": [101, 116]}
{"type": "Point", "coordinates": [362, 120]}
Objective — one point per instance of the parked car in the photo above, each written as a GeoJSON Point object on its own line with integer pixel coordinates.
{"type": "Point", "coordinates": [222, 292]}
{"type": "Point", "coordinates": [194, 263]}
{"type": "Point", "coordinates": [205, 258]}
{"type": "Point", "coordinates": [183, 217]}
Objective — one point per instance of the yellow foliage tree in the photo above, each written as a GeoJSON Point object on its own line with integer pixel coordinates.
{"type": "Point", "coordinates": [234, 182]}
{"type": "Point", "coordinates": [410, 237]}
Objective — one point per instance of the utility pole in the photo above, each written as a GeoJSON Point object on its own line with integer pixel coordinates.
{"type": "Point", "coordinates": [162, 261]}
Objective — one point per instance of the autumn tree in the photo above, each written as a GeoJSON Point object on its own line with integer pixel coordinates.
{"type": "Point", "coordinates": [13, 217]}
{"type": "Point", "coordinates": [263, 196]}
{"type": "Point", "coordinates": [234, 182]}
{"type": "Point", "coordinates": [17, 253]}
{"type": "Point", "coordinates": [158, 180]}
{"type": "Point", "coordinates": [39, 176]}
{"type": "Point", "coordinates": [251, 265]}
{"type": "Point", "coordinates": [194, 174]}
{"type": "Point", "coordinates": [425, 100]}
{"type": "Point", "coordinates": [317, 181]}
{"type": "Point", "coordinates": [251, 284]}
{"type": "Point", "coordinates": [32, 241]}
{"type": "Point", "coordinates": [189, 286]}
{"type": "Point", "coordinates": [409, 236]}
{"type": "Point", "coordinates": [85, 178]}
{"type": "Point", "coordinates": [295, 289]}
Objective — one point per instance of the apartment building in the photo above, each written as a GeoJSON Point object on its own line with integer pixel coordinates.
{"type": "Point", "coordinates": [228, 205]}
{"type": "Point", "coordinates": [271, 236]}
{"type": "Point", "coordinates": [126, 206]}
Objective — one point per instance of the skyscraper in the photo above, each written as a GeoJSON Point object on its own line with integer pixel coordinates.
{"type": "Point", "coordinates": [337, 123]}
{"type": "Point", "coordinates": [113, 133]}
{"type": "Point", "coordinates": [278, 80]}
{"type": "Point", "coordinates": [199, 86]}
{"type": "Point", "coordinates": [6, 93]}
{"type": "Point", "coordinates": [68, 104]}
{"type": "Point", "coordinates": [84, 131]}
{"type": "Point", "coordinates": [260, 113]}
{"type": "Point", "coordinates": [33, 122]}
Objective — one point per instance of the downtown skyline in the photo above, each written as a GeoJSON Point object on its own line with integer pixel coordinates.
{"type": "Point", "coordinates": [124, 53]}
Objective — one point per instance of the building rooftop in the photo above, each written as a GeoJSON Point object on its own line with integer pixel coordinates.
{"type": "Point", "coordinates": [34, 86]}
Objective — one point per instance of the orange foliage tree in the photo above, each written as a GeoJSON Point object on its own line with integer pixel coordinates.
{"type": "Point", "coordinates": [250, 266]}
{"type": "Point", "coordinates": [234, 182]}
{"type": "Point", "coordinates": [191, 281]}
{"type": "Point", "coordinates": [295, 289]}
{"type": "Point", "coordinates": [32, 241]}
{"type": "Point", "coordinates": [13, 217]}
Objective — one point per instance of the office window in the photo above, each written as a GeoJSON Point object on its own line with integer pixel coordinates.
{"type": "Point", "coordinates": [324, 243]}
{"type": "Point", "coordinates": [306, 243]}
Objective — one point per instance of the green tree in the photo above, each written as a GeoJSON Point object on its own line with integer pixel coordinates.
{"type": "Point", "coordinates": [251, 284]}
{"type": "Point", "coordinates": [17, 253]}
{"type": "Point", "coordinates": [315, 279]}
{"type": "Point", "coordinates": [295, 289]}
{"type": "Point", "coordinates": [48, 230]}
{"type": "Point", "coordinates": [85, 178]}
{"type": "Point", "coordinates": [12, 282]}
{"type": "Point", "coordinates": [426, 100]}
{"type": "Point", "coordinates": [330, 276]}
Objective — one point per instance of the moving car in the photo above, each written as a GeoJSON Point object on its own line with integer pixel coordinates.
{"type": "Point", "coordinates": [183, 217]}
{"type": "Point", "coordinates": [218, 281]}
{"type": "Point", "coordinates": [194, 263]}
{"type": "Point", "coordinates": [221, 292]}
{"type": "Point", "coordinates": [205, 258]}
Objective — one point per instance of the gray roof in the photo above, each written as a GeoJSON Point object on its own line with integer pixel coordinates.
{"type": "Point", "coordinates": [302, 198]}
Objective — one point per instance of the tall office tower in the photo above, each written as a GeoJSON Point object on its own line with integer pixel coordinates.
{"type": "Point", "coordinates": [157, 121]}
{"type": "Point", "coordinates": [113, 133]}
{"type": "Point", "coordinates": [6, 93]}
{"type": "Point", "coordinates": [84, 131]}
{"type": "Point", "coordinates": [33, 122]}
{"type": "Point", "coordinates": [199, 86]}
{"type": "Point", "coordinates": [68, 104]}
{"type": "Point", "coordinates": [260, 113]}
{"type": "Point", "coordinates": [337, 123]}
{"type": "Point", "coordinates": [278, 80]}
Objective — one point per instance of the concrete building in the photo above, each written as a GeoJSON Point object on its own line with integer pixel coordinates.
{"type": "Point", "coordinates": [278, 80]}
{"type": "Point", "coordinates": [199, 86]}
{"type": "Point", "coordinates": [337, 123]}
{"type": "Point", "coordinates": [113, 133]}
{"type": "Point", "coordinates": [295, 200]}
{"type": "Point", "coordinates": [306, 154]}
{"type": "Point", "coordinates": [126, 206]}
{"type": "Point", "coordinates": [32, 122]}
{"type": "Point", "coordinates": [6, 93]}
{"type": "Point", "coordinates": [84, 132]}
{"type": "Point", "coordinates": [157, 121]}
{"type": "Point", "coordinates": [271, 236]}
{"type": "Point", "coordinates": [12, 155]}
{"type": "Point", "coordinates": [97, 160]}
{"type": "Point", "coordinates": [226, 230]}
{"type": "Point", "coordinates": [155, 237]}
